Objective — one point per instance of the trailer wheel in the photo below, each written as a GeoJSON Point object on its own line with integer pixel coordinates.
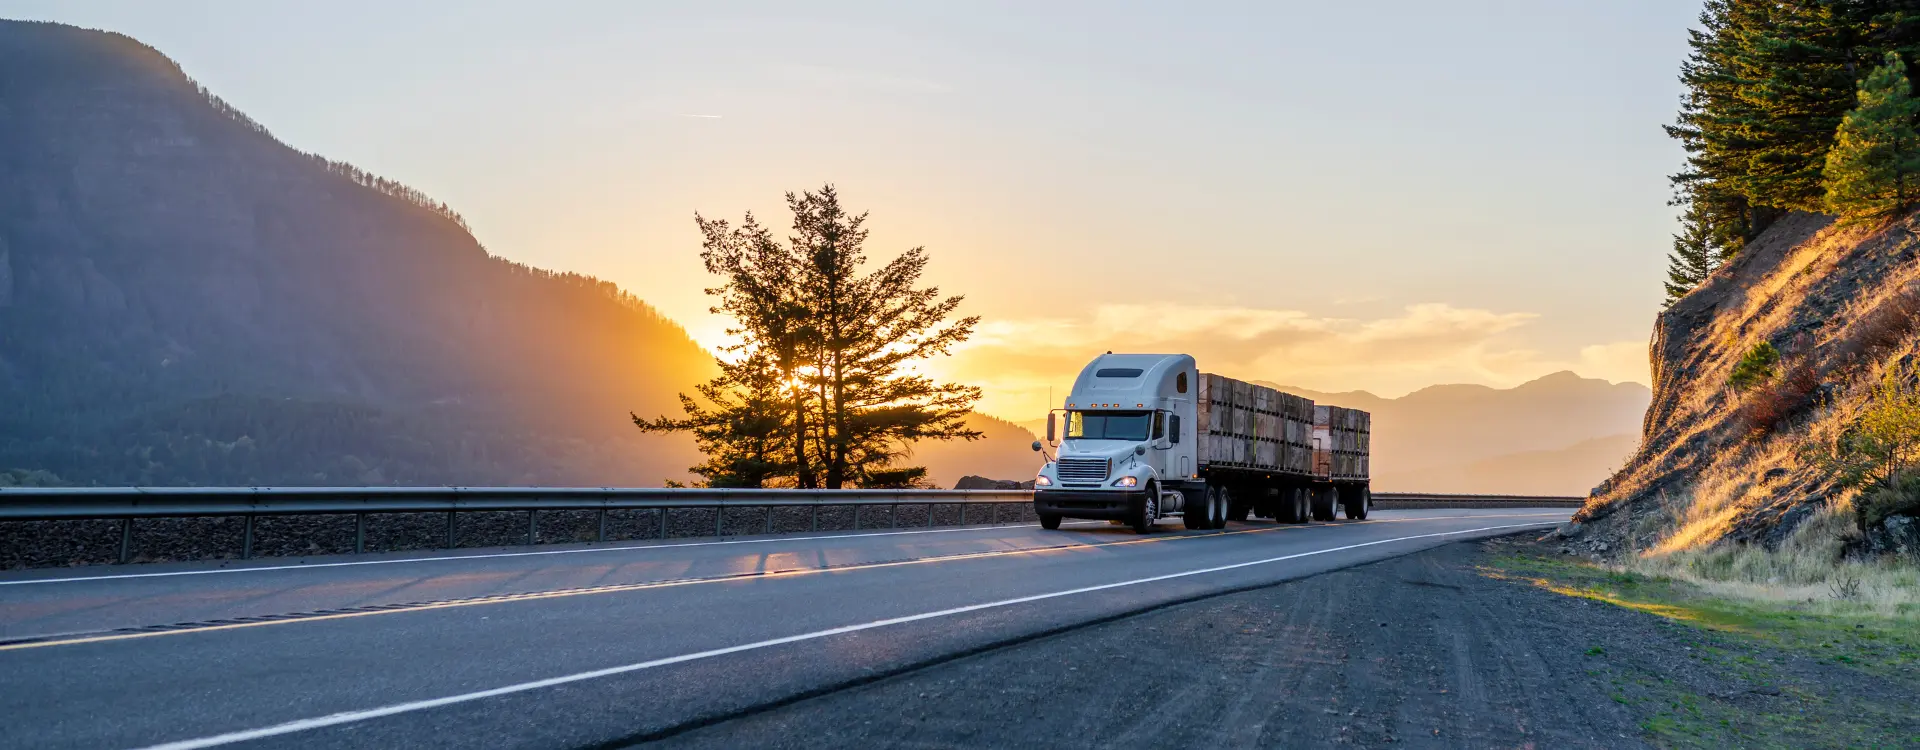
{"type": "Point", "coordinates": [1302, 506]}
{"type": "Point", "coordinates": [1050, 521]}
{"type": "Point", "coordinates": [1218, 518]}
{"type": "Point", "coordinates": [1149, 510]}
{"type": "Point", "coordinates": [1236, 509]}
{"type": "Point", "coordinates": [1356, 503]}
{"type": "Point", "coordinates": [1323, 502]}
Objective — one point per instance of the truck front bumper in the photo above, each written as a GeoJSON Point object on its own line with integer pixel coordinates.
{"type": "Point", "coordinates": [1099, 504]}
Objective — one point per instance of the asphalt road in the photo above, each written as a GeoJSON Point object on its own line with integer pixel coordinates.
{"type": "Point", "coordinates": [599, 646]}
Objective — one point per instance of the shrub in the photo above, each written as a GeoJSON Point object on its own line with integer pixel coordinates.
{"type": "Point", "coordinates": [1758, 366]}
{"type": "Point", "coordinates": [1900, 496]}
{"type": "Point", "coordinates": [1888, 326]}
{"type": "Point", "coordinates": [1767, 408]}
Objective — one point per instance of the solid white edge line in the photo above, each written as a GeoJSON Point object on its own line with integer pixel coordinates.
{"type": "Point", "coordinates": [624, 548]}
{"type": "Point", "coordinates": [347, 717]}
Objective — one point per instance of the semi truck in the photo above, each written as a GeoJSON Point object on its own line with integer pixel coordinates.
{"type": "Point", "coordinates": [1148, 436]}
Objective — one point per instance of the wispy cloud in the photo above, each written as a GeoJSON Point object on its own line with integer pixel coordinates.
{"type": "Point", "coordinates": [1423, 344]}
{"type": "Point", "coordinates": [702, 117]}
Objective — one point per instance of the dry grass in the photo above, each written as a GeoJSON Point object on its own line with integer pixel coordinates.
{"type": "Point", "coordinates": [1809, 568]}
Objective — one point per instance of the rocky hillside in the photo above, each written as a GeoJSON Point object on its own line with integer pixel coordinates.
{"type": "Point", "coordinates": [186, 300]}
{"type": "Point", "coordinates": [1838, 304]}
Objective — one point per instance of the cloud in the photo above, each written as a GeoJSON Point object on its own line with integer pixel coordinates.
{"type": "Point", "coordinates": [703, 117]}
{"type": "Point", "coordinates": [1422, 344]}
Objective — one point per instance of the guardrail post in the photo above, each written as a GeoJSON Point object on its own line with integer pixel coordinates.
{"type": "Point", "coordinates": [856, 518]}
{"type": "Point", "coordinates": [359, 533]}
{"type": "Point", "coordinates": [719, 515]}
{"type": "Point", "coordinates": [893, 516]}
{"type": "Point", "coordinates": [930, 515]}
{"type": "Point", "coordinates": [246, 539]}
{"type": "Point", "coordinates": [963, 514]}
{"type": "Point", "coordinates": [531, 530]}
{"type": "Point", "coordinates": [769, 529]}
{"type": "Point", "coordinates": [816, 518]}
{"type": "Point", "coordinates": [602, 535]}
{"type": "Point", "coordinates": [661, 516]}
{"type": "Point", "coordinates": [449, 529]}
{"type": "Point", "coordinates": [126, 540]}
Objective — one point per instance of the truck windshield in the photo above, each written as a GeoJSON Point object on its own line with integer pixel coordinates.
{"type": "Point", "coordinates": [1120, 425]}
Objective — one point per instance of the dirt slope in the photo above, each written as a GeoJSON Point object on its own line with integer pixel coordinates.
{"type": "Point", "coordinates": [1707, 470]}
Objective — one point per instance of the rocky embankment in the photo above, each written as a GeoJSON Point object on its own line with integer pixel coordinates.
{"type": "Point", "coordinates": [1718, 463]}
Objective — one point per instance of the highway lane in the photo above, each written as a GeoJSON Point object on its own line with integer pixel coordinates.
{"type": "Point", "coordinates": [673, 636]}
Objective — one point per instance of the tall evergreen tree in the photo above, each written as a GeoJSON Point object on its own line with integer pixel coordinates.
{"type": "Point", "coordinates": [1874, 167]}
{"type": "Point", "coordinates": [824, 391]}
{"type": "Point", "coordinates": [1694, 255]}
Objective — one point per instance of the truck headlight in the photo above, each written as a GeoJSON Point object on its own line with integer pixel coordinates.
{"type": "Point", "coordinates": [1042, 481]}
{"type": "Point", "coordinates": [1126, 482]}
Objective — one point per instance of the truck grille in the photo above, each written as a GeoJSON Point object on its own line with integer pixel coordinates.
{"type": "Point", "coordinates": [1082, 469]}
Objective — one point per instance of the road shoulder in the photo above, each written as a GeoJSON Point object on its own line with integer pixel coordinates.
{"type": "Point", "coordinates": [1453, 647]}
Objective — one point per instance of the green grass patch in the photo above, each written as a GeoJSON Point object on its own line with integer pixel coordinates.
{"type": "Point", "coordinates": [1889, 646]}
{"type": "Point", "coordinates": [1790, 674]}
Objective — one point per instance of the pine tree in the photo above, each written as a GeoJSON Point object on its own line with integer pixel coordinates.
{"type": "Point", "coordinates": [1874, 167]}
{"type": "Point", "coordinates": [822, 393]}
{"type": "Point", "coordinates": [1694, 255]}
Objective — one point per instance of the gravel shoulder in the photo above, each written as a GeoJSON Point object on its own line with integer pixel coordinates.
{"type": "Point", "coordinates": [1452, 647]}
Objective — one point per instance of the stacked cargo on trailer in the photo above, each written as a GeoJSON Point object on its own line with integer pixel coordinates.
{"type": "Point", "coordinates": [1342, 440]}
{"type": "Point", "coordinates": [1149, 436]}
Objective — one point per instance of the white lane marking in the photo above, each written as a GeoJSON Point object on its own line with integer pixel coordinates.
{"type": "Point", "coordinates": [759, 540]}
{"type": "Point", "coordinates": [347, 717]}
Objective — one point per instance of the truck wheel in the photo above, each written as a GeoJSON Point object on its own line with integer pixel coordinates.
{"type": "Point", "coordinates": [1362, 499]}
{"type": "Point", "coordinates": [1236, 509]}
{"type": "Point", "coordinates": [1049, 521]}
{"type": "Point", "coordinates": [1149, 510]}
{"type": "Point", "coordinates": [1198, 513]}
{"type": "Point", "coordinates": [1302, 506]}
{"type": "Point", "coordinates": [1323, 504]}
{"type": "Point", "coordinates": [1219, 510]}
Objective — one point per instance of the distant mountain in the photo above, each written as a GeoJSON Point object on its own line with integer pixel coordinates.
{"type": "Point", "coordinates": [1560, 434]}
{"type": "Point", "coordinates": [1005, 453]}
{"type": "Point", "coordinates": [1573, 470]}
{"type": "Point", "coordinates": [186, 300]}
{"type": "Point", "coordinates": [1449, 433]}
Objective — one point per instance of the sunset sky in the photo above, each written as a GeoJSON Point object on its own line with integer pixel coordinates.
{"type": "Point", "coordinates": [1339, 196]}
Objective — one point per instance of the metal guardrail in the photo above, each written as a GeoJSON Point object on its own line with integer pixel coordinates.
{"type": "Point", "coordinates": [125, 504]}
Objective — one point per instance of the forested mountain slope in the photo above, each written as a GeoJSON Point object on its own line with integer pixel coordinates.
{"type": "Point", "coordinates": [184, 299]}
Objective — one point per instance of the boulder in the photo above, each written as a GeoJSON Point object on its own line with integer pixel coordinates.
{"type": "Point", "coordinates": [972, 482]}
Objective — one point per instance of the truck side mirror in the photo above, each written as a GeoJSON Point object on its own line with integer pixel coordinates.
{"type": "Point", "coordinates": [1050, 429]}
{"type": "Point", "coordinates": [1139, 450]}
{"type": "Point", "coordinates": [1173, 429]}
{"type": "Point", "coordinates": [1036, 446]}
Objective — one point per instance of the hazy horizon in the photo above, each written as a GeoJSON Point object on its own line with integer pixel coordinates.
{"type": "Point", "coordinates": [1467, 202]}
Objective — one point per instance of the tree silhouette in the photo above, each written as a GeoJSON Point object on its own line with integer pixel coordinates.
{"type": "Point", "coordinates": [825, 351]}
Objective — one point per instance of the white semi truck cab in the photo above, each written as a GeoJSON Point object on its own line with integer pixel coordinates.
{"type": "Point", "coordinates": [1147, 436]}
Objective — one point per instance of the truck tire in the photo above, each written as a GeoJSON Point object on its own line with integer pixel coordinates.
{"type": "Point", "coordinates": [1050, 521]}
{"type": "Point", "coordinates": [1199, 509]}
{"type": "Point", "coordinates": [1356, 502]}
{"type": "Point", "coordinates": [1302, 505]}
{"type": "Point", "coordinates": [1323, 502]}
{"type": "Point", "coordinates": [1219, 518]}
{"type": "Point", "coordinates": [1237, 508]}
{"type": "Point", "coordinates": [1149, 510]}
